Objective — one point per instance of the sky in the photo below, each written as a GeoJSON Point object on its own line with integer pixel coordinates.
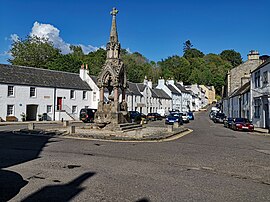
{"type": "Point", "coordinates": [155, 28]}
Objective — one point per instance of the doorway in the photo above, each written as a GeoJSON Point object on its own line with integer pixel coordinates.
{"type": "Point", "coordinates": [31, 112]}
{"type": "Point", "coordinates": [59, 103]}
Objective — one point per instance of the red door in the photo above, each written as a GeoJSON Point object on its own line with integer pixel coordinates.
{"type": "Point", "coordinates": [59, 103]}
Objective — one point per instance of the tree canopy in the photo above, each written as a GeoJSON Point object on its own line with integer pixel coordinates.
{"type": "Point", "coordinates": [193, 67]}
{"type": "Point", "coordinates": [232, 56]}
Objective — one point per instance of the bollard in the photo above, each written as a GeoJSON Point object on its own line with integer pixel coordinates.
{"type": "Point", "coordinates": [31, 126]}
{"type": "Point", "coordinates": [66, 123]}
{"type": "Point", "coordinates": [176, 125]}
{"type": "Point", "coordinates": [170, 128]}
{"type": "Point", "coordinates": [71, 129]}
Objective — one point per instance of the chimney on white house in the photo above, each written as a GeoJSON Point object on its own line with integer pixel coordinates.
{"type": "Point", "coordinates": [150, 84]}
{"type": "Point", "coordinates": [253, 55]}
{"type": "Point", "coordinates": [170, 82]}
{"type": "Point", "coordinates": [84, 72]}
{"type": "Point", "coordinates": [161, 82]}
{"type": "Point", "coordinates": [181, 83]}
{"type": "Point", "coordinates": [145, 81]}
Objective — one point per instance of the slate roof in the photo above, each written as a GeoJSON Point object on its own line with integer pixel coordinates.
{"type": "Point", "coordinates": [19, 75]}
{"type": "Point", "coordinates": [243, 89]}
{"type": "Point", "coordinates": [154, 94]}
{"type": "Point", "coordinates": [133, 88]}
{"type": "Point", "coordinates": [173, 90]}
{"type": "Point", "coordinates": [181, 88]}
{"type": "Point", "coordinates": [94, 78]}
{"type": "Point", "coordinates": [141, 87]}
{"type": "Point", "coordinates": [161, 93]}
{"type": "Point", "coordinates": [262, 65]}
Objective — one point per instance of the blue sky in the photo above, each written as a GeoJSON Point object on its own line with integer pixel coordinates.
{"type": "Point", "coordinates": [155, 28]}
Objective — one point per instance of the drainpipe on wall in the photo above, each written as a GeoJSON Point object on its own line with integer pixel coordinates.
{"type": "Point", "coordinates": [54, 101]}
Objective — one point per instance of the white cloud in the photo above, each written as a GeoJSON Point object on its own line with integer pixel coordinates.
{"type": "Point", "coordinates": [53, 35]}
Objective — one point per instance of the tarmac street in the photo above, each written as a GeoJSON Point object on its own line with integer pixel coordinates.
{"type": "Point", "coordinates": [212, 163]}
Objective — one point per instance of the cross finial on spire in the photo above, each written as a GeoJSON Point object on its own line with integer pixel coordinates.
{"type": "Point", "coordinates": [114, 12]}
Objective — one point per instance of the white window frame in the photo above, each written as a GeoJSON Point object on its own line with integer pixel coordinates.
{"type": "Point", "coordinates": [94, 96]}
{"type": "Point", "coordinates": [72, 94]}
{"type": "Point", "coordinates": [8, 91]}
{"type": "Point", "coordinates": [72, 109]}
{"type": "Point", "coordinates": [265, 78]}
{"type": "Point", "coordinates": [12, 110]}
{"type": "Point", "coordinates": [257, 78]}
{"type": "Point", "coordinates": [49, 107]}
{"type": "Point", "coordinates": [84, 95]}
{"type": "Point", "coordinates": [35, 91]}
{"type": "Point", "coordinates": [257, 108]}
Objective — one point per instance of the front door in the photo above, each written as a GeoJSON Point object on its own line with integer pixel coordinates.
{"type": "Point", "coordinates": [31, 112]}
{"type": "Point", "coordinates": [59, 103]}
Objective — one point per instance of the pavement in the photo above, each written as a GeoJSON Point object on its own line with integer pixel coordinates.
{"type": "Point", "coordinates": [212, 163]}
{"type": "Point", "coordinates": [262, 130]}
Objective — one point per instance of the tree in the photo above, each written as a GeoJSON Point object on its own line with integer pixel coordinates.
{"type": "Point", "coordinates": [33, 52]}
{"type": "Point", "coordinates": [95, 60]}
{"type": "Point", "coordinates": [232, 56]}
{"type": "Point", "coordinates": [193, 53]}
{"type": "Point", "coordinates": [66, 63]}
{"type": "Point", "coordinates": [187, 46]}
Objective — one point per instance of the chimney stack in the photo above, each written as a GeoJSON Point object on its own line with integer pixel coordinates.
{"type": "Point", "coordinates": [253, 55]}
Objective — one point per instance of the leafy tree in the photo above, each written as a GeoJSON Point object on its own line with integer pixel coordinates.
{"type": "Point", "coordinates": [232, 56]}
{"type": "Point", "coordinates": [95, 60]}
{"type": "Point", "coordinates": [66, 63]}
{"type": "Point", "coordinates": [33, 52]}
{"type": "Point", "coordinates": [193, 53]}
{"type": "Point", "coordinates": [77, 51]}
{"type": "Point", "coordinates": [187, 46]}
{"type": "Point", "coordinates": [175, 67]}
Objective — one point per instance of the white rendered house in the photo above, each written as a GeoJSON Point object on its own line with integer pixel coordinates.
{"type": "Point", "coordinates": [32, 93]}
{"type": "Point", "coordinates": [260, 95]}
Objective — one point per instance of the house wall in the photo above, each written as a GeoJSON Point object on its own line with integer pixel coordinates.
{"type": "Point", "coordinates": [245, 106]}
{"type": "Point", "coordinates": [95, 93]}
{"type": "Point", "coordinates": [236, 74]}
{"type": "Point", "coordinates": [235, 107]}
{"type": "Point", "coordinates": [262, 95]}
{"type": "Point", "coordinates": [43, 98]}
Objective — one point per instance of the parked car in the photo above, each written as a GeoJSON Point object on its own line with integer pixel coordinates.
{"type": "Point", "coordinates": [87, 115]}
{"type": "Point", "coordinates": [242, 124]}
{"type": "Point", "coordinates": [173, 118]}
{"type": "Point", "coordinates": [154, 116]}
{"type": "Point", "coordinates": [190, 115]}
{"type": "Point", "coordinates": [212, 114]}
{"type": "Point", "coordinates": [135, 116]}
{"type": "Point", "coordinates": [228, 122]}
{"type": "Point", "coordinates": [185, 117]}
{"type": "Point", "coordinates": [219, 118]}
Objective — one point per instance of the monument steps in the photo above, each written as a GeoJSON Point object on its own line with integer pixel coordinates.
{"type": "Point", "coordinates": [125, 127]}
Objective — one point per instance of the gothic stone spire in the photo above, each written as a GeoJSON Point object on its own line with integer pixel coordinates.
{"type": "Point", "coordinates": [113, 46]}
{"type": "Point", "coordinates": [114, 35]}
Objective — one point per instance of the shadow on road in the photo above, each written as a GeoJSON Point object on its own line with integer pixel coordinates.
{"type": "Point", "coordinates": [14, 150]}
{"type": "Point", "coordinates": [60, 193]}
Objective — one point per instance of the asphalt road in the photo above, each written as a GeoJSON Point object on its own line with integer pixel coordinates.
{"type": "Point", "coordinates": [210, 164]}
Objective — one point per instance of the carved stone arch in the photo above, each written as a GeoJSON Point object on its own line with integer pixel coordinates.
{"type": "Point", "coordinates": [107, 80]}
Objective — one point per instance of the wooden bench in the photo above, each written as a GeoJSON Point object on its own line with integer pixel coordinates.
{"type": "Point", "coordinates": [11, 119]}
